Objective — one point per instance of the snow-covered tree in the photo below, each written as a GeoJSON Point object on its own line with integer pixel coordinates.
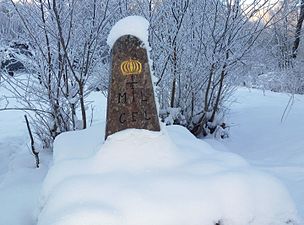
{"type": "Point", "coordinates": [197, 47]}
{"type": "Point", "coordinates": [68, 44]}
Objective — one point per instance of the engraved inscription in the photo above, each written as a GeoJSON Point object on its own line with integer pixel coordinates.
{"type": "Point", "coordinates": [146, 116]}
{"type": "Point", "coordinates": [143, 96]}
{"type": "Point", "coordinates": [122, 98]}
{"type": "Point", "coordinates": [131, 85]}
{"type": "Point", "coordinates": [122, 118]}
{"type": "Point", "coordinates": [134, 114]}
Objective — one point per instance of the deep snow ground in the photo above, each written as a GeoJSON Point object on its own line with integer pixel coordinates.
{"type": "Point", "coordinates": [256, 134]}
{"type": "Point", "coordinates": [170, 177]}
{"type": "Point", "coordinates": [20, 181]}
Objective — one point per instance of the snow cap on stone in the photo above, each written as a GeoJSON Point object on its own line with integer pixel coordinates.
{"type": "Point", "coordinates": [132, 25]}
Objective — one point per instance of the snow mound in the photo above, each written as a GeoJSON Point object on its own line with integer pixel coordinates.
{"type": "Point", "coordinates": [140, 177]}
{"type": "Point", "coordinates": [132, 25]}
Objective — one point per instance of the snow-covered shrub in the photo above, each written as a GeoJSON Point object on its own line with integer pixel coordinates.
{"type": "Point", "coordinates": [69, 42]}
{"type": "Point", "coordinates": [195, 62]}
{"type": "Point", "coordinates": [172, 116]}
{"type": "Point", "coordinates": [289, 80]}
{"type": "Point", "coordinates": [15, 56]}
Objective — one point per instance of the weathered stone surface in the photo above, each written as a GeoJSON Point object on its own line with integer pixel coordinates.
{"type": "Point", "coordinates": [131, 102]}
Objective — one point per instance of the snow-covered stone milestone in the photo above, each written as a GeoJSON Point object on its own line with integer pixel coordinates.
{"type": "Point", "coordinates": [131, 102]}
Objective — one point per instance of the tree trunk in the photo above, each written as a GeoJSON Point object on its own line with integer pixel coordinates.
{"type": "Point", "coordinates": [174, 58]}
{"type": "Point", "coordinates": [298, 31]}
{"type": "Point", "coordinates": [82, 107]}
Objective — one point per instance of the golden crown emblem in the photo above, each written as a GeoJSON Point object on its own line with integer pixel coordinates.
{"type": "Point", "coordinates": [130, 67]}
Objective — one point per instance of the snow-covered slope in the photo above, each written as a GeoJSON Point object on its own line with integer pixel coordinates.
{"type": "Point", "coordinates": [167, 177]}
{"type": "Point", "coordinates": [258, 134]}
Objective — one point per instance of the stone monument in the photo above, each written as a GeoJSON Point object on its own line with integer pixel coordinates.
{"type": "Point", "coordinates": [131, 102]}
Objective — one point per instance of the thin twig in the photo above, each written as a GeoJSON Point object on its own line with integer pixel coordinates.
{"type": "Point", "coordinates": [35, 153]}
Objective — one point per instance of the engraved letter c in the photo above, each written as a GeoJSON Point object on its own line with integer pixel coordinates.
{"type": "Point", "coordinates": [121, 119]}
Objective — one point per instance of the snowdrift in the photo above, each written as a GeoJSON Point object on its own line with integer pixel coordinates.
{"type": "Point", "coordinates": [139, 177]}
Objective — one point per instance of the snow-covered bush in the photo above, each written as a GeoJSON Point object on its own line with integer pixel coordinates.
{"type": "Point", "coordinates": [196, 48]}
{"type": "Point", "coordinates": [69, 49]}
{"type": "Point", "coordinates": [15, 56]}
{"type": "Point", "coordinates": [172, 116]}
